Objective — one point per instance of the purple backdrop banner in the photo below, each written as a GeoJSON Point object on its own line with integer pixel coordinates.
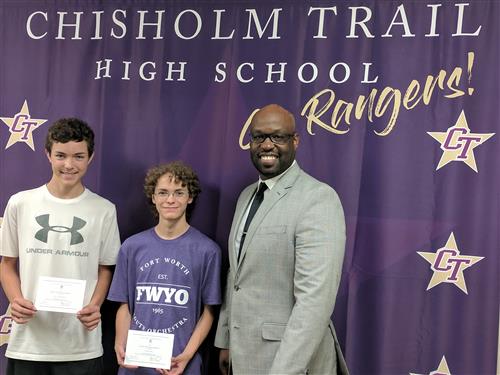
{"type": "Point", "coordinates": [397, 106]}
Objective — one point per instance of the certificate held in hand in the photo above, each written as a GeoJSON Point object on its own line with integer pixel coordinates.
{"type": "Point", "coordinates": [60, 294]}
{"type": "Point", "coordinates": [149, 349]}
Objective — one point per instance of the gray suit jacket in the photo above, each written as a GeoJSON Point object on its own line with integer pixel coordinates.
{"type": "Point", "coordinates": [275, 318]}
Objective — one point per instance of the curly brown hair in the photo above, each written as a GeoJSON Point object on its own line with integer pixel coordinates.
{"type": "Point", "coordinates": [182, 173]}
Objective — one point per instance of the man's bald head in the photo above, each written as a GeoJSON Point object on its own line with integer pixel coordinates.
{"type": "Point", "coordinates": [274, 140]}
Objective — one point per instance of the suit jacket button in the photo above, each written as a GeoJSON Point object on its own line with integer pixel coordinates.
{"type": "Point", "coordinates": [236, 287]}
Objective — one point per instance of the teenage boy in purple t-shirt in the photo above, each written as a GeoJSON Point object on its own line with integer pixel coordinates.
{"type": "Point", "coordinates": [168, 277]}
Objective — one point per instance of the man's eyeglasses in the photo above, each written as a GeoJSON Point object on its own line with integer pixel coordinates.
{"type": "Point", "coordinates": [177, 194]}
{"type": "Point", "coordinates": [277, 139]}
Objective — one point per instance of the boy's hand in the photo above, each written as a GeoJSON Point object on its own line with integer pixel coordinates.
{"type": "Point", "coordinates": [22, 310]}
{"type": "Point", "coordinates": [177, 365]}
{"type": "Point", "coordinates": [120, 357]}
{"type": "Point", "coordinates": [89, 316]}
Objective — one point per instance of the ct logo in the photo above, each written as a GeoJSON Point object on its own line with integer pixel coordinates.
{"type": "Point", "coordinates": [5, 327]}
{"type": "Point", "coordinates": [459, 139]}
{"type": "Point", "coordinates": [458, 143]}
{"type": "Point", "coordinates": [448, 260]}
{"type": "Point", "coordinates": [448, 265]}
{"type": "Point", "coordinates": [442, 369]}
{"type": "Point", "coordinates": [22, 124]}
{"type": "Point", "coordinates": [21, 127]}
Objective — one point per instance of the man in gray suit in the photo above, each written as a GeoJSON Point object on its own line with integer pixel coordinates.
{"type": "Point", "coordinates": [285, 264]}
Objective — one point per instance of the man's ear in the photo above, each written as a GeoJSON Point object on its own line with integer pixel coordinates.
{"type": "Point", "coordinates": [296, 141]}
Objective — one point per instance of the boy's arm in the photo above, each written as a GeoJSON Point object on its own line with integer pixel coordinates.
{"type": "Point", "coordinates": [22, 309]}
{"type": "Point", "coordinates": [90, 315]}
{"type": "Point", "coordinates": [200, 332]}
{"type": "Point", "coordinates": [122, 326]}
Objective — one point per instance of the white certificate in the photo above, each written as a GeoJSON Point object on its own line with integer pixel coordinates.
{"type": "Point", "coordinates": [60, 295]}
{"type": "Point", "coordinates": [149, 349]}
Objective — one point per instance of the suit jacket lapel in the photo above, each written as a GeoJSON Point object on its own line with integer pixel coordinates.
{"type": "Point", "coordinates": [240, 210]}
{"type": "Point", "coordinates": [271, 197]}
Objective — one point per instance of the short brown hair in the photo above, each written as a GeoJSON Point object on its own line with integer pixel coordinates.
{"type": "Point", "coordinates": [182, 174]}
{"type": "Point", "coordinates": [66, 130]}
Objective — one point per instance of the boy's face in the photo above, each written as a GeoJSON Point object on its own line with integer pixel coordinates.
{"type": "Point", "coordinates": [69, 162]}
{"type": "Point", "coordinates": [171, 199]}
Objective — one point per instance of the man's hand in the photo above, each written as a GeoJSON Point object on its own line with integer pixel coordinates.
{"type": "Point", "coordinates": [22, 310]}
{"type": "Point", "coordinates": [224, 361]}
{"type": "Point", "coordinates": [89, 316]}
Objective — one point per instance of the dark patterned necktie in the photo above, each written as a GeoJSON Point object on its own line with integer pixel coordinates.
{"type": "Point", "coordinates": [259, 197]}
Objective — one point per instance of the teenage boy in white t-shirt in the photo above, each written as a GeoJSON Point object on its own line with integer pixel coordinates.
{"type": "Point", "coordinates": [62, 230]}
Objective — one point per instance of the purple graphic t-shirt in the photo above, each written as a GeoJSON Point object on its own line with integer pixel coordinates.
{"type": "Point", "coordinates": [166, 283]}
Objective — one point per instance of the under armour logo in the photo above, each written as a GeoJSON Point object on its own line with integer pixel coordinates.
{"type": "Point", "coordinates": [43, 233]}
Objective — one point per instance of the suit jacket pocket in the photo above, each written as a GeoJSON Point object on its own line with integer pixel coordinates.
{"type": "Point", "coordinates": [273, 331]}
{"type": "Point", "coordinates": [271, 241]}
{"type": "Point", "coordinates": [271, 229]}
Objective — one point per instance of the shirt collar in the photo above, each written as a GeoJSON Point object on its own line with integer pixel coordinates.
{"type": "Point", "coordinates": [270, 182]}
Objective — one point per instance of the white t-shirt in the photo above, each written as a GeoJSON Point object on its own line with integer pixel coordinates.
{"type": "Point", "coordinates": [55, 237]}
